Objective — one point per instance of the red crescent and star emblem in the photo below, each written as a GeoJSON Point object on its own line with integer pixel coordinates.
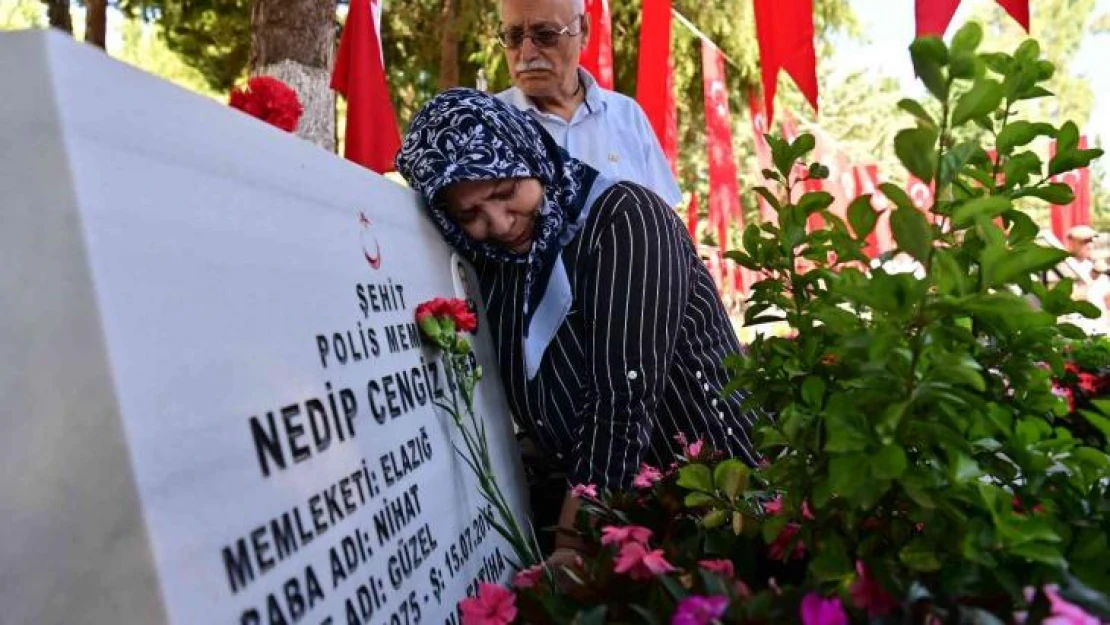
{"type": "Point", "coordinates": [375, 259]}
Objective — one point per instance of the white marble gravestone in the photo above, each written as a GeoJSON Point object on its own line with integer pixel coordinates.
{"type": "Point", "coordinates": [214, 405]}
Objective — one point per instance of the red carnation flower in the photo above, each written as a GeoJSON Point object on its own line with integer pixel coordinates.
{"type": "Point", "coordinates": [454, 309]}
{"type": "Point", "coordinates": [270, 100]}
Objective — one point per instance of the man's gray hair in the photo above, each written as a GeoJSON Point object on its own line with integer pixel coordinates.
{"type": "Point", "coordinates": [577, 6]}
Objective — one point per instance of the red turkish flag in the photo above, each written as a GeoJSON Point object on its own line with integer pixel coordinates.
{"type": "Point", "coordinates": [784, 29]}
{"type": "Point", "coordinates": [655, 76]}
{"type": "Point", "coordinates": [933, 16]}
{"type": "Point", "coordinates": [724, 190]}
{"type": "Point", "coordinates": [692, 216]}
{"type": "Point", "coordinates": [371, 137]}
{"type": "Point", "coordinates": [597, 56]}
{"type": "Point", "coordinates": [1078, 213]}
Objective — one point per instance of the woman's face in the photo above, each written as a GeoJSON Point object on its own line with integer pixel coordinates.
{"type": "Point", "coordinates": [501, 212]}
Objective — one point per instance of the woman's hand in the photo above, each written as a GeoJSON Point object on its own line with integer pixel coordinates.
{"type": "Point", "coordinates": [565, 565]}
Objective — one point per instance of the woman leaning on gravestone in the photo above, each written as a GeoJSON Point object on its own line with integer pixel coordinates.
{"type": "Point", "coordinates": [609, 332]}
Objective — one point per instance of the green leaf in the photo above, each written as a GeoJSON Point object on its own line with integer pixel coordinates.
{"type": "Point", "coordinates": [696, 477]}
{"type": "Point", "coordinates": [845, 434]}
{"type": "Point", "coordinates": [915, 148]}
{"type": "Point", "coordinates": [1067, 138]}
{"type": "Point", "coordinates": [815, 201]}
{"type": "Point", "coordinates": [1018, 133]}
{"type": "Point", "coordinates": [1066, 161]}
{"type": "Point", "coordinates": [832, 563]}
{"type": "Point", "coordinates": [848, 474]}
{"type": "Point", "coordinates": [1058, 193]}
{"type": "Point", "coordinates": [911, 232]}
{"type": "Point", "coordinates": [890, 463]}
{"type": "Point", "coordinates": [803, 145]}
{"type": "Point", "coordinates": [964, 65]}
{"type": "Point", "coordinates": [1041, 552]}
{"type": "Point", "coordinates": [1100, 422]}
{"type": "Point", "coordinates": [593, 616]}
{"type": "Point", "coordinates": [919, 555]}
{"type": "Point", "coordinates": [813, 391]}
{"type": "Point", "coordinates": [982, 99]}
{"type": "Point", "coordinates": [1020, 167]}
{"type": "Point", "coordinates": [968, 38]}
{"type": "Point", "coordinates": [913, 107]}
{"type": "Point", "coordinates": [896, 194]}
{"type": "Point", "coordinates": [962, 468]}
{"type": "Point", "coordinates": [929, 56]}
{"type": "Point", "coordinates": [1023, 261]}
{"type": "Point", "coordinates": [647, 616]}
{"type": "Point", "coordinates": [698, 499]}
{"type": "Point", "coordinates": [987, 207]}
{"type": "Point", "coordinates": [862, 216]}
{"type": "Point", "coordinates": [915, 489]}
{"type": "Point", "coordinates": [731, 477]}
{"type": "Point", "coordinates": [766, 194]}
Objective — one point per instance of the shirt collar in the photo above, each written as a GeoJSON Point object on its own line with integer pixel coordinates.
{"type": "Point", "coordinates": [595, 95]}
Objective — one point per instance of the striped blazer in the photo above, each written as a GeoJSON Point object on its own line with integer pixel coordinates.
{"type": "Point", "coordinates": [637, 361]}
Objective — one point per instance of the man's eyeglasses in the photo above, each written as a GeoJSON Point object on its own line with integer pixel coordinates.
{"type": "Point", "coordinates": [542, 36]}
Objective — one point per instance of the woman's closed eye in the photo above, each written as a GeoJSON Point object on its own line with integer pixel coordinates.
{"type": "Point", "coordinates": [505, 191]}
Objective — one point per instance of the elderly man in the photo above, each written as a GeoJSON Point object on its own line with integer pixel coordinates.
{"type": "Point", "coordinates": [1079, 245]}
{"type": "Point", "coordinates": [543, 40]}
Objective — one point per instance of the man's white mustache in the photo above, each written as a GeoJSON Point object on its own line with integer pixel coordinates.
{"type": "Point", "coordinates": [535, 64]}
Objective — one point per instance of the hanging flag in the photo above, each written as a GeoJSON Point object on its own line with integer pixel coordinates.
{"type": "Point", "coordinates": [655, 76]}
{"type": "Point", "coordinates": [1078, 213]}
{"type": "Point", "coordinates": [784, 29]}
{"type": "Point", "coordinates": [692, 216]}
{"type": "Point", "coordinates": [933, 16]}
{"type": "Point", "coordinates": [763, 160]}
{"type": "Point", "coordinates": [724, 190]}
{"type": "Point", "coordinates": [371, 137]}
{"type": "Point", "coordinates": [1019, 10]}
{"type": "Point", "coordinates": [597, 56]}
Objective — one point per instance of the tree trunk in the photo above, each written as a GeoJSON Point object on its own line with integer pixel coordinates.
{"type": "Point", "coordinates": [58, 13]}
{"type": "Point", "coordinates": [96, 22]}
{"type": "Point", "coordinates": [293, 41]}
{"type": "Point", "coordinates": [449, 45]}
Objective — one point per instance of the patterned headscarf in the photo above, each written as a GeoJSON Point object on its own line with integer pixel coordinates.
{"type": "Point", "coordinates": [466, 135]}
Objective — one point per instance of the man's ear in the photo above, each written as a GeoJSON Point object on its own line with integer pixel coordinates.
{"type": "Point", "coordinates": [585, 17]}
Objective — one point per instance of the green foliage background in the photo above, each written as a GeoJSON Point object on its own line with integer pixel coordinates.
{"type": "Point", "coordinates": [204, 45]}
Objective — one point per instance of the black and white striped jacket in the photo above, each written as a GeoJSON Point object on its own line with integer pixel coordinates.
{"type": "Point", "coordinates": [638, 359]}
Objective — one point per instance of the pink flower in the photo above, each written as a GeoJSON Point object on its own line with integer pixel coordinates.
{"type": "Point", "coordinates": [1063, 613]}
{"type": "Point", "coordinates": [494, 605]}
{"type": "Point", "coordinates": [647, 476]}
{"type": "Point", "coordinates": [528, 578]}
{"type": "Point", "coordinates": [868, 594]}
{"type": "Point", "coordinates": [641, 564]}
{"type": "Point", "coordinates": [818, 611]}
{"type": "Point", "coordinates": [680, 438]}
{"type": "Point", "coordinates": [584, 491]}
{"type": "Point", "coordinates": [695, 448]}
{"type": "Point", "coordinates": [777, 549]}
{"type": "Point", "coordinates": [697, 610]}
{"type": "Point", "coordinates": [613, 535]}
{"type": "Point", "coordinates": [723, 568]}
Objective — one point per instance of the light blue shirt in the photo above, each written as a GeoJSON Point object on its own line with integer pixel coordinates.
{"type": "Point", "coordinates": [610, 133]}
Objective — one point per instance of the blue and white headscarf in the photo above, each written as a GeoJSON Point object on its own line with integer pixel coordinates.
{"type": "Point", "coordinates": [466, 135]}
